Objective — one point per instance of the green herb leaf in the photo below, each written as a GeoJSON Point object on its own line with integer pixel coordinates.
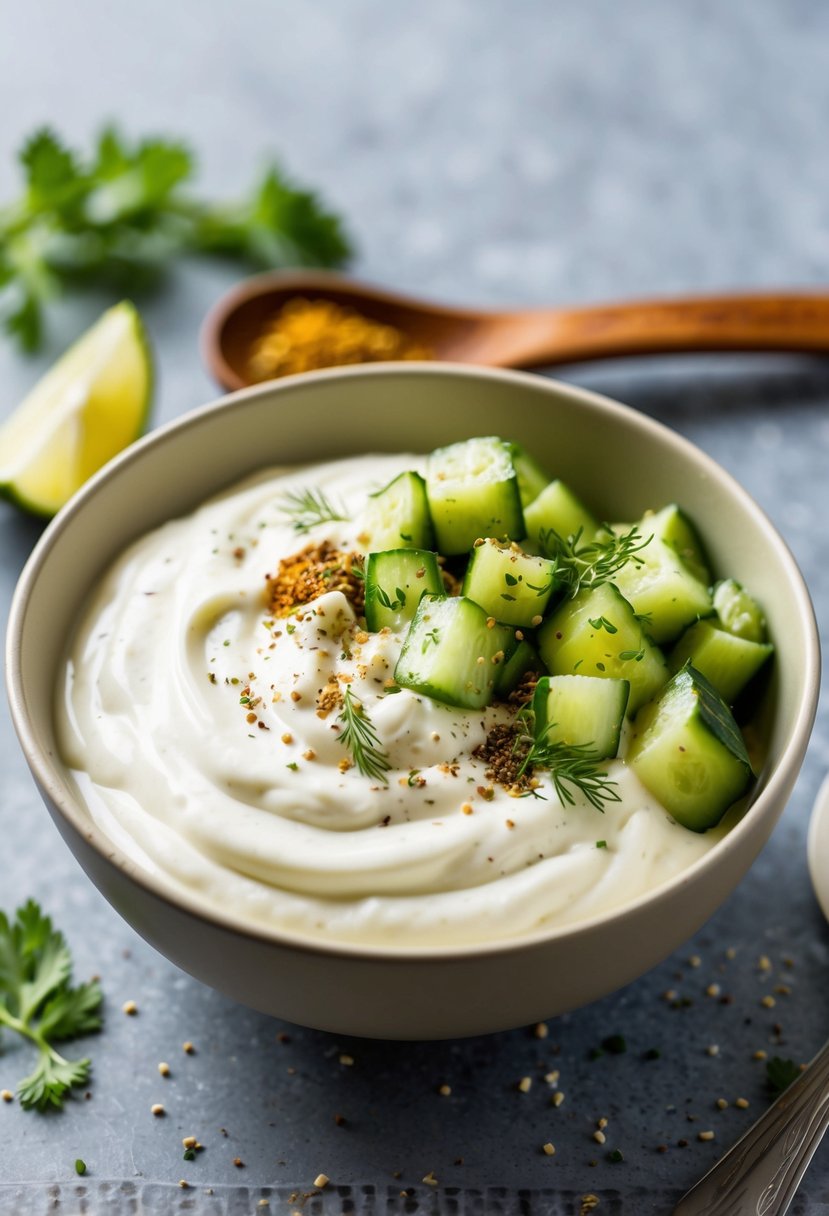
{"type": "Point", "coordinates": [578, 566]}
{"type": "Point", "coordinates": [572, 767]}
{"type": "Point", "coordinates": [80, 1166]}
{"type": "Point", "coordinates": [38, 1002]}
{"type": "Point", "coordinates": [780, 1074]}
{"type": "Point", "coordinates": [309, 507]}
{"type": "Point", "coordinates": [360, 738]}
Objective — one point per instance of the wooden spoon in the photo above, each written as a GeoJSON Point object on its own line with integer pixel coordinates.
{"type": "Point", "coordinates": [773, 321]}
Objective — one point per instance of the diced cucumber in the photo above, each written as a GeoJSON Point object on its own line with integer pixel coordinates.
{"type": "Point", "coordinates": [473, 492]}
{"type": "Point", "coordinates": [597, 633]}
{"type": "Point", "coordinates": [727, 661]}
{"type": "Point", "coordinates": [509, 675]}
{"type": "Point", "coordinates": [512, 586]}
{"type": "Point", "coordinates": [673, 526]}
{"type": "Point", "coordinates": [739, 612]}
{"type": "Point", "coordinates": [531, 477]}
{"type": "Point", "coordinates": [558, 510]}
{"type": "Point", "coordinates": [397, 517]}
{"type": "Point", "coordinates": [687, 750]}
{"type": "Point", "coordinates": [660, 587]}
{"type": "Point", "coordinates": [450, 653]}
{"type": "Point", "coordinates": [582, 710]}
{"type": "Point", "coordinates": [395, 581]}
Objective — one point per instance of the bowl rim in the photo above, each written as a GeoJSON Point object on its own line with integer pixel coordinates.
{"type": "Point", "coordinates": [190, 903]}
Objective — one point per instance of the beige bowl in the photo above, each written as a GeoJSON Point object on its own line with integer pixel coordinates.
{"type": "Point", "coordinates": [620, 461]}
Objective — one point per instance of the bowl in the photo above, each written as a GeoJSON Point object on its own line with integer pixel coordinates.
{"type": "Point", "coordinates": [619, 460]}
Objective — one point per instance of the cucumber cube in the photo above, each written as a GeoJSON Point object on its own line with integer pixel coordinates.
{"type": "Point", "coordinates": [688, 751]}
{"type": "Point", "coordinates": [531, 477]}
{"type": "Point", "coordinates": [558, 510]}
{"type": "Point", "coordinates": [583, 710]}
{"type": "Point", "coordinates": [738, 612]}
{"type": "Point", "coordinates": [597, 633]}
{"type": "Point", "coordinates": [451, 653]}
{"type": "Point", "coordinates": [395, 582]}
{"type": "Point", "coordinates": [660, 587]}
{"type": "Point", "coordinates": [673, 526]}
{"type": "Point", "coordinates": [512, 586]}
{"type": "Point", "coordinates": [397, 517]}
{"type": "Point", "coordinates": [727, 661]}
{"type": "Point", "coordinates": [473, 492]}
{"type": "Point", "coordinates": [509, 675]}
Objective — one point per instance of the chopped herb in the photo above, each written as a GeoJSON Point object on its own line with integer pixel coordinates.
{"type": "Point", "coordinates": [615, 1155]}
{"type": "Point", "coordinates": [780, 1074]}
{"type": "Point", "coordinates": [392, 604]}
{"type": "Point", "coordinates": [293, 766]}
{"type": "Point", "coordinates": [80, 1166]}
{"type": "Point", "coordinates": [511, 580]}
{"type": "Point", "coordinates": [636, 655]}
{"type": "Point", "coordinates": [431, 638]}
{"type": "Point", "coordinates": [601, 622]}
{"type": "Point", "coordinates": [412, 778]}
{"type": "Point", "coordinates": [571, 766]}
{"type": "Point", "coordinates": [578, 565]}
{"type": "Point", "coordinates": [360, 738]}
{"type": "Point", "coordinates": [615, 1044]}
{"type": "Point", "coordinates": [601, 844]}
{"type": "Point", "coordinates": [309, 507]}
{"type": "Point", "coordinates": [189, 1154]}
{"type": "Point", "coordinates": [38, 1003]}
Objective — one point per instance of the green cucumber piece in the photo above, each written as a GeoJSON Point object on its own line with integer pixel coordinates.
{"type": "Point", "coordinates": [586, 711]}
{"type": "Point", "coordinates": [395, 581]}
{"type": "Point", "coordinates": [451, 653]}
{"type": "Point", "coordinates": [660, 587]}
{"type": "Point", "coordinates": [522, 658]}
{"type": "Point", "coordinates": [531, 477]}
{"type": "Point", "coordinates": [473, 492]}
{"type": "Point", "coordinates": [727, 661]}
{"type": "Point", "coordinates": [673, 526]}
{"type": "Point", "coordinates": [397, 517]}
{"type": "Point", "coordinates": [597, 633]}
{"type": "Point", "coordinates": [687, 750]}
{"type": "Point", "coordinates": [510, 585]}
{"type": "Point", "coordinates": [558, 510]}
{"type": "Point", "coordinates": [738, 612]}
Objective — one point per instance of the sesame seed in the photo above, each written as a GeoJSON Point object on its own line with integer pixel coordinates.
{"type": "Point", "coordinates": [768, 1002]}
{"type": "Point", "coordinates": [705, 1135]}
{"type": "Point", "coordinates": [238, 1162]}
{"type": "Point", "coordinates": [599, 1137]}
{"type": "Point", "coordinates": [760, 1055]}
{"type": "Point", "coordinates": [731, 953]}
{"type": "Point", "coordinates": [670, 995]}
{"type": "Point", "coordinates": [164, 1069]}
{"type": "Point", "coordinates": [466, 808]}
{"type": "Point", "coordinates": [601, 1124]}
{"type": "Point", "coordinates": [430, 1179]}
{"type": "Point", "coordinates": [321, 1180]}
{"type": "Point", "coordinates": [558, 1098]}
{"type": "Point", "coordinates": [188, 1048]}
{"type": "Point", "coordinates": [712, 1049]}
{"type": "Point", "coordinates": [157, 1109]}
{"type": "Point", "coordinates": [310, 754]}
{"type": "Point", "coordinates": [525, 1084]}
{"type": "Point", "coordinates": [695, 960]}
{"type": "Point", "coordinates": [548, 1149]}
{"type": "Point", "coordinates": [183, 1184]}
{"type": "Point", "coordinates": [742, 1103]}
{"type": "Point", "coordinates": [445, 1090]}
{"type": "Point", "coordinates": [721, 1104]}
{"type": "Point", "coordinates": [764, 963]}
{"type": "Point", "coordinates": [537, 619]}
{"type": "Point", "coordinates": [347, 1060]}
{"type": "Point", "coordinates": [129, 1008]}
{"type": "Point", "coordinates": [782, 989]}
{"type": "Point", "coordinates": [6, 1095]}
{"type": "Point", "coordinates": [189, 1142]}
{"type": "Point", "coordinates": [287, 737]}
{"type": "Point", "coordinates": [250, 717]}
{"type": "Point", "coordinates": [541, 1030]}
{"type": "Point", "coordinates": [712, 990]}
{"type": "Point", "coordinates": [552, 1077]}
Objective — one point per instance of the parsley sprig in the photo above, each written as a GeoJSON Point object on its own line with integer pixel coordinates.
{"type": "Point", "coordinates": [360, 738]}
{"type": "Point", "coordinates": [120, 214]}
{"type": "Point", "coordinates": [38, 1002]}
{"type": "Point", "coordinates": [573, 767]}
{"type": "Point", "coordinates": [588, 565]}
{"type": "Point", "coordinates": [308, 507]}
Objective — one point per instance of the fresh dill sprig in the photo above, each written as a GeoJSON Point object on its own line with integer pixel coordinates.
{"type": "Point", "coordinates": [572, 766]}
{"type": "Point", "coordinates": [308, 507]}
{"type": "Point", "coordinates": [578, 565]}
{"type": "Point", "coordinates": [360, 737]}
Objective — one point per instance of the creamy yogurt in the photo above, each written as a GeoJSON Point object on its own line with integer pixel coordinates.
{"type": "Point", "coordinates": [189, 717]}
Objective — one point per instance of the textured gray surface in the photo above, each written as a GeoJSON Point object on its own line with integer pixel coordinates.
{"type": "Point", "coordinates": [530, 152]}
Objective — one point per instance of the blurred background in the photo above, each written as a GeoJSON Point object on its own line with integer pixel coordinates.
{"type": "Point", "coordinates": [531, 152]}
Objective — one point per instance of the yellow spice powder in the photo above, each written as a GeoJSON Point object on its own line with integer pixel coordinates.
{"type": "Point", "coordinates": [308, 334]}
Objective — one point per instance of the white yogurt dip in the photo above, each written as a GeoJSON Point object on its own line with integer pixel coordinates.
{"type": "Point", "coordinates": [190, 719]}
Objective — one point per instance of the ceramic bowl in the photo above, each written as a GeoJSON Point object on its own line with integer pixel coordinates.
{"type": "Point", "coordinates": [620, 461]}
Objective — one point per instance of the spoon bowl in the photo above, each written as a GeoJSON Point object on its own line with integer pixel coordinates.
{"type": "Point", "coordinates": [781, 321]}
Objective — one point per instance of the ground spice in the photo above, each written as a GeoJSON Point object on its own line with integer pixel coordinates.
{"type": "Point", "coordinates": [306, 575]}
{"type": "Point", "coordinates": [308, 334]}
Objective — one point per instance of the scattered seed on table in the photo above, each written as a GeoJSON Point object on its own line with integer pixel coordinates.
{"type": "Point", "coordinates": [189, 1142]}
{"type": "Point", "coordinates": [238, 1162]}
{"type": "Point", "coordinates": [129, 1008]}
{"type": "Point", "coordinates": [712, 1049]}
{"type": "Point", "coordinates": [157, 1109]}
{"type": "Point", "coordinates": [768, 1002]}
{"type": "Point", "coordinates": [188, 1048]}
{"type": "Point", "coordinates": [712, 990]}
{"type": "Point", "coordinates": [721, 1104]}
{"type": "Point", "coordinates": [183, 1184]}
{"type": "Point", "coordinates": [6, 1095]}
{"type": "Point", "coordinates": [760, 1055]}
{"type": "Point", "coordinates": [347, 1060]}
{"type": "Point", "coordinates": [541, 1030]}
{"type": "Point", "coordinates": [430, 1179]}
{"type": "Point", "coordinates": [558, 1098]}
{"type": "Point", "coordinates": [695, 960]}
{"type": "Point", "coordinates": [601, 1124]}
{"type": "Point", "coordinates": [164, 1069]}
{"type": "Point", "coordinates": [764, 963]}
{"type": "Point", "coordinates": [80, 1166]}
{"type": "Point", "coordinates": [552, 1077]}
{"type": "Point", "coordinates": [742, 1103]}
{"type": "Point", "coordinates": [705, 1135]}
{"type": "Point", "coordinates": [525, 1084]}
{"type": "Point", "coordinates": [548, 1149]}
{"type": "Point", "coordinates": [444, 1090]}
{"type": "Point", "coordinates": [599, 1137]}
{"type": "Point", "coordinates": [321, 1180]}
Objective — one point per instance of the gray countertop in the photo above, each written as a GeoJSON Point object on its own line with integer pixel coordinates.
{"type": "Point", "coordinates": [526, 153]}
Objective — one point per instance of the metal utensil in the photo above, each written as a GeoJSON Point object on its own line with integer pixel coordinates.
{"type": "Point", "coordinates": [760, 1174]}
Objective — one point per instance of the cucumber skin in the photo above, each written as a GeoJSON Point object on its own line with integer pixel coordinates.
{"type": "Point", "coordinates": [379, 615]}
{"type": "Point", "coordinates": [439, 668]}
{"type": "Point", "coordinates": [455, 503]}
{"type": "Point", "coordinates": [602, 737]}
{"type": "Point", "coordinates": [415, 531]}
{"type": "Point", "coordinates": [727, 660]}
{"type": "Point", "coordinates": [484, 582]}
{"type": "Point", "coordinates": [693, 761]}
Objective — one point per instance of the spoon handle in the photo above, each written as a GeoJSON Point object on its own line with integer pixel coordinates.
{"type": "Point", "coordinates": [779, 322]}
{"type": "Point", "coordinates": [760, 1174]}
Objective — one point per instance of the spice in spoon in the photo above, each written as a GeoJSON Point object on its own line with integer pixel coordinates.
{"type": "Point", "coordinates": [308, 334]}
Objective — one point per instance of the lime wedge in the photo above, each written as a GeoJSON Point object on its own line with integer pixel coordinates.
{"type": "Point", "coordinates": [91, 405]}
